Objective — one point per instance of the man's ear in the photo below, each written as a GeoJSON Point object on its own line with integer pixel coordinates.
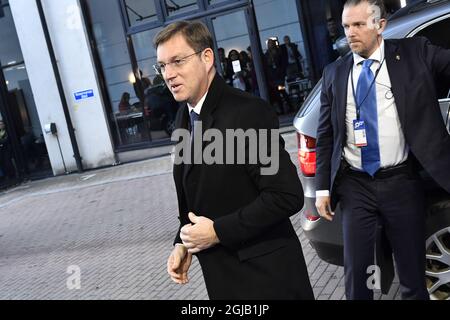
{"type": "Point", "coordinates": [208, 57]}
{"type": "Point", "coordinates": [381, 25]}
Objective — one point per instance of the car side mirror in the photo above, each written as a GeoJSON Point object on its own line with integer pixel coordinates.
{"type": "Point", "coordinates": [342, 46]}
{"type": "Point", "coordinates": [447, 122]}
{"type": "Point", "coordinates": [445, 110]}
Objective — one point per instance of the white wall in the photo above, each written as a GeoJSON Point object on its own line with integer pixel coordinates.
{"type": "Point", "coordinates": [77, 71]}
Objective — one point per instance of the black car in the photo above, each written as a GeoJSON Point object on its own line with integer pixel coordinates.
{"type": "Point", "coordinates": [432, 20]}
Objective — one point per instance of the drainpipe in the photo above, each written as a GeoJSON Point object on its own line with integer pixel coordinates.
{"type": "Point", "coordinates": [65, 106]}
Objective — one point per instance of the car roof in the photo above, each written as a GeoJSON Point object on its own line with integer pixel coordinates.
{"type": "Point", "coordinates": [409, 18]}
{"type": "Point", "coordinates": [417, 6]}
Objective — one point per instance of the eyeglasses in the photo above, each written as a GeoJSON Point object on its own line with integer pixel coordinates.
{"type": "Point", "coordinates": [160, 68]}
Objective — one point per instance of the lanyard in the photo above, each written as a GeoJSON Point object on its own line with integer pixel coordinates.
{"type": "Point", "coordinates": [358, 106]}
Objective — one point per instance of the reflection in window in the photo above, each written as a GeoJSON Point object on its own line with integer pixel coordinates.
{"type": "Point", "coordinates": [24, 117]}
{"type": "Point", "coordinates": [174, 7]}
{"type": "Point", "coordinates": [236, 65]}
{"type": "Point", "coordinates": [146, 58]}
{"type": "Point", "coordinates": [442, 39]}
{"type": "Point", "coordinates": [157, 101]}
{"type": "Point", "coordinates": [213, 2]}
{"type": "Point", "coordinates": [140, 11]}
{"type": "Point", "coordinates": [125, 117]}
{"type": "Point", "coordinates": [285, 65]}
{"type": "Point", "coordinates": [11, 54]}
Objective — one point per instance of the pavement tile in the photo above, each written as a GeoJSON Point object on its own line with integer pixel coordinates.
{"type": "Point", "coordinates": [118, 228]}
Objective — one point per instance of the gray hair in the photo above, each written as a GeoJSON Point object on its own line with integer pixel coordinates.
{"type": "Point", "coordinates": [376, 3]}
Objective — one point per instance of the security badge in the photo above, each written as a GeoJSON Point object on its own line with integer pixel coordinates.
{"type": "Point", "coordinates": [359, 130]}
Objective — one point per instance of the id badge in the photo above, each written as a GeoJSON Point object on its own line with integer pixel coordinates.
{"type": "Point", "coordinates": [359, 130]}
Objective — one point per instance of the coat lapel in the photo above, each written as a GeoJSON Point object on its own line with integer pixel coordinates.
{"type": "Point", "coordinates": [396, 69]}
{"type": "Point", "coordinates": [341, 82]}
{"type": "Point", "coordinates": [212, 100]}
{"type": "Point", "coordinates": [181, 122]}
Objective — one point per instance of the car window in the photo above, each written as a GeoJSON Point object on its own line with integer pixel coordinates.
{"type": "Point", "coordinates": [308, 105]}
{"type": "Point", "coordinates": [438, 34]}
{"type": "Point", "coordinates": [445, 110]}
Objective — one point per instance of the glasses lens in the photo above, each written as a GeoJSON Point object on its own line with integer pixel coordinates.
{"type": "Point", "coordinates": [157, 68]}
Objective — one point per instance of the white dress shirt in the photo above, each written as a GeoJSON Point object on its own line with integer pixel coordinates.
{"type": "Point", "coordinates": [198, 107]}
{"type": "Point", "coordinates": [391, 140]}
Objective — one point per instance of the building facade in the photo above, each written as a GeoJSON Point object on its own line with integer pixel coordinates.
{"type": "Point", "coordinates": [78, 90]}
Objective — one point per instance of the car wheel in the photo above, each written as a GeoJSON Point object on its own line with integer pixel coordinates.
{"type": "Point", "coordinates": [438, 254]}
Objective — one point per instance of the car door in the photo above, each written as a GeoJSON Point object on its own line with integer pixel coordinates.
{"type": "Point", "coordinates": [433, 31]}
{"type": "Point", "coordinates": [438, 224]}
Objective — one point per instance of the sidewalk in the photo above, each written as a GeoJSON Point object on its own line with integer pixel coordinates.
{"type": "Point", "coordinates": [114, 174]}
{"type": "Point", "coordinates": [116, 226]}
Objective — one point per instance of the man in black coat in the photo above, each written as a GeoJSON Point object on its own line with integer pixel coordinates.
{"type": "Point", "coordinates": [379, 119]}
{"type": "Point", "coordinates": [291, 58]}
{"type": "Point", "coordinates": [232, 217]}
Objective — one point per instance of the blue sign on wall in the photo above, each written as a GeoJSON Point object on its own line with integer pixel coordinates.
{"type": "Point", "coordinates": [82, 95]}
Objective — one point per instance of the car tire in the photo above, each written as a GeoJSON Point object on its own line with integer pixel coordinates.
{"type": "Point", "coordinates": [438, 252]}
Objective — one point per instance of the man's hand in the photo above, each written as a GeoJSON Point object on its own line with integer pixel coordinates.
{"type": "Point", "coordinates": [323, 205]}
{"type": "Point", "coordinates": [178, 264]}
{"type": "Point", "coordinates": [199, 235]}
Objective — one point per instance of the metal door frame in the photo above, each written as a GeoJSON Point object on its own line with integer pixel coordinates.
{"type": "Point", "coordinates": [255, 43]}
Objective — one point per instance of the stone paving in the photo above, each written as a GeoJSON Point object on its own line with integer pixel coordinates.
{"type": "Point", "coordinates": [114, 227]}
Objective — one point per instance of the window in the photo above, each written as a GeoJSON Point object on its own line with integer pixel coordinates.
{"type": "Point", "coordinates": [287, 70]}
{"type": "Point", "coordinates": [175, 7]}
{"type": "Point", "coordinates": [214, 2]}
{"type": "Point", "coordinates": [115, 59]}
{"type": "Point", "coordinates": [140, 11]}
{"type": "Point", "coordinates": [435, 34]}
{"type": "Point", "coordinates": [20, 115]}
{"type": "Point", "coordinates": [157, 101]}
{"type": "Point", "coordinates": [11, 53]}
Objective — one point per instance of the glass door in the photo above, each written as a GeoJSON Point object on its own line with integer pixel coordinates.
{"type": "Point", "coordinates": [238, 54]}
{"type": "Point", "coordinates": [33, 159]}
{"type": "Point", "coordinates": [24, 152]}
{"type": "Point", "coordinates": [9, 164]}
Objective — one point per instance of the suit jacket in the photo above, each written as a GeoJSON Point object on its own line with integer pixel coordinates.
{"type": "Point", "coordinates": [259, 255]}
{"type": "Point", "coordinates": [415, 68]}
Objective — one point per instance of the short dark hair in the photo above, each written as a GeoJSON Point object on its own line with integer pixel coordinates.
{"type": "Point", "coordinates": [377, 3]}
{"type": "Point", "coordinates": [195, 33]}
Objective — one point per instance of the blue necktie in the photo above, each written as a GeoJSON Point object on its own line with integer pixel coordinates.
{"type": "Point", "coordinates": [367, 100]}
{"type": "Point", "coordinates": [194, 117]}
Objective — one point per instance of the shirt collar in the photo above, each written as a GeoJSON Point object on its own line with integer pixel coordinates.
{"type": "Point", "coordinates": [377, 55]}
{"type": "Point", "coordinates": [198, 108]}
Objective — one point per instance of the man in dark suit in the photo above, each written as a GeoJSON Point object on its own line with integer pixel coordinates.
{"type": "Point", "coordinates": [233, 218]}
{"type": "Point", "coordinates": [291, 58]}
{"type": "Point", "coordinates": [379, 121]}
